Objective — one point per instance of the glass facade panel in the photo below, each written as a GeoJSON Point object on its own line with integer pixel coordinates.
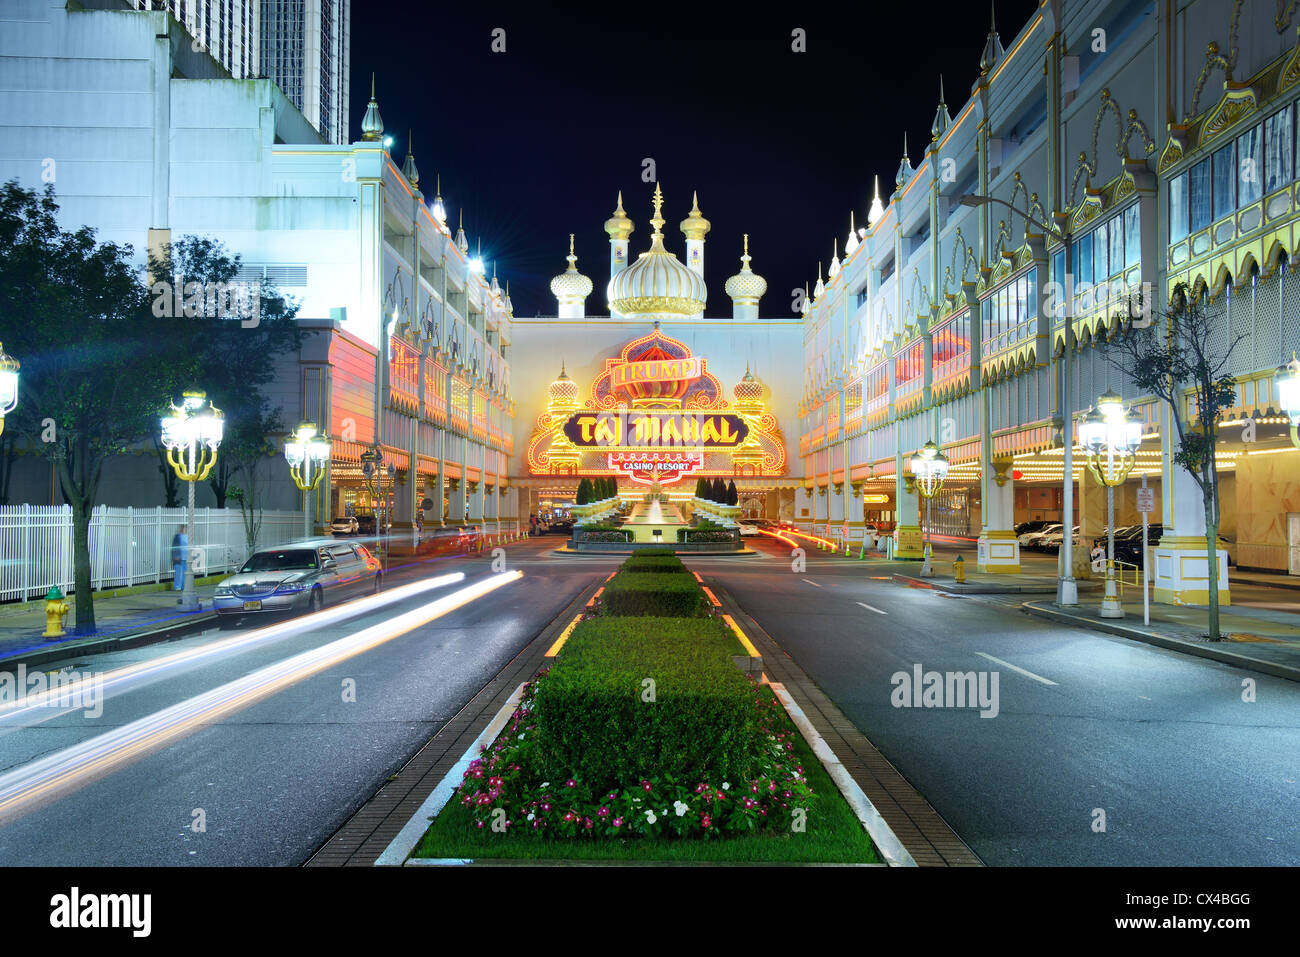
{"type": "Point", "coordinates": [1225, 181]}
{"type": "Point", "coordinates": [1278, 155]}
{"type": "Point", "coordinates": [1250, 161]}
{"type": "Point", "coordinates": [1198, 196]}
{"type": "Point", "coordinates": [1178, 208]}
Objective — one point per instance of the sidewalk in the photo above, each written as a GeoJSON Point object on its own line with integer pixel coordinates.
{"type": "Point", "coordinates": [117, 618]}
{"type": "Point", "coordinates": [1258, 640]}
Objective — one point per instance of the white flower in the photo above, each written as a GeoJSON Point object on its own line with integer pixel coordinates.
{"type": "Point", "coordinates": [546, 784]}
{"type": "Point", "coordinates": [680, 808]}
{"type": "Point", "coordinates": [650, 817]}
{"type": "Point", "coordinates": [521, 737]}
{"type": "Point", "coordinates": [726, 786]}
{"type": "Point", "coordinates": [530, 815]}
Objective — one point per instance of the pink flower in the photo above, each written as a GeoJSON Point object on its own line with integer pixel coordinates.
{"type": "Point", "coordinates": [570, 783]}
{"type": "Point", "coordinates": [588, 823]}
{"type": "Point", "coordinates": [749, 802]}
{"type": "Point", "coordinates": [706, 820]}
{"type": "Point", "coordinates": [618, 822]}
{"type": "Point", "coordinates": [647, 786]}
{"type": "Point", "coordinates": [603, 812]}
{"type": "Point", "coordinates": [569, 816]}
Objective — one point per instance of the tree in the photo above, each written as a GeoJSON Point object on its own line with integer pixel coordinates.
{"type": "Point", "coordinates": [1178, 361]}
{"type": "Point", "coordinates": [699, 488]}
{"type": "Point", "coordinates": [238, 332]}
{"type": "Point", "coordinates": [719, 491]}
{"type": "Point", "coordinates": [732, 495]}
{"type": "Point", "coordinates": [249, 495]}
{"type": "Point", "coordinates": [583, 495]}
{"type": "Point", "coordinates": [98, 365]}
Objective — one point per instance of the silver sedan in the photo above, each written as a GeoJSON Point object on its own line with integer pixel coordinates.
{"type": "Point", "coordinates": [301, 577]}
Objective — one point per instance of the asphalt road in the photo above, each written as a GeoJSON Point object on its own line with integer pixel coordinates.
{"type": "Point", "coordinates": [271, 772]}
{"type": "Point", "coordinates": [1185, 770]}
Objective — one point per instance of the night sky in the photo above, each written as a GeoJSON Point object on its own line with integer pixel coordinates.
{"type": "Point", "coordinates": [534, 143]}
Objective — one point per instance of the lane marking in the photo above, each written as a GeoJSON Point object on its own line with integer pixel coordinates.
{"type": "Point", "coordinates": [872, 608]}
{"type": "Point", "coordinates": [564, 636]}
{"type": "Point", "coordinates": [811, 582]}
{"type": "Point", "coordinates": [1007, 664]}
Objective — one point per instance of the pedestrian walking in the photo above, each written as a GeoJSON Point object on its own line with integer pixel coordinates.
{"type": "Point", "coordinates": [180, 557]}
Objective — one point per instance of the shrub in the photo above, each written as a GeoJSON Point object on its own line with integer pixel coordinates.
{"type": "Point", "coordinates": [594, 724]}
{"type": "Point", "coordinates": [636, 594]}
{"type": "Point", "coordinates": [732, 495]}
{"type": "Point", "coordinates": [658, 562]}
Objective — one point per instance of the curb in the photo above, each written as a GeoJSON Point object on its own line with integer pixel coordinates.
{"type": "Point", "coordinates": [105, 645]}
{"type": "Point", "coordinates": [979, 588]}
{"type": "Point", "coordinates": [1289, 672]}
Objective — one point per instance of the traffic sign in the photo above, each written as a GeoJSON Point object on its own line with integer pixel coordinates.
{"type": "Point", "coordinates": [1146, 500]}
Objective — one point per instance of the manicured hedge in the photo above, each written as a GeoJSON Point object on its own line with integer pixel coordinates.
{"type": "Point", "coordinates": [654, 563]}
{"type": "Point", "coordinates": [632, 593]}
{"type": "Point", "coordinates": [595, 724]}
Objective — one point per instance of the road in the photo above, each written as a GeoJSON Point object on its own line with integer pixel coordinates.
{"type": "Point", "coordinates": [1185, 771]}
{"type": "Point", "coordinates": [269, 773]}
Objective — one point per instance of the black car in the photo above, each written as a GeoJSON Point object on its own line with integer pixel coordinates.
{"type": "Point", "coordinates": [1035, 526]}
{"type": "Point", "coordinates": [1129, 549]}
{"type": "Point", "coordinates": [562, 527]}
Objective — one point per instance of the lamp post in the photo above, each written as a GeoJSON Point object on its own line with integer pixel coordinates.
{"type": "Point", "coordinates": [1067, 589]}
{"type": "Point", "coordinates": [191, 434]}
{"type": "Point", "coordinates": [8, 385]}
{"type": "Point", "coordinates": [1111, 438]}
{"type": "Point", "coordinates": [1288, 395]}
{"type": "Point", "coordinates": [930, 468]}
{"type": "Point", "coordinates": [306, 452]}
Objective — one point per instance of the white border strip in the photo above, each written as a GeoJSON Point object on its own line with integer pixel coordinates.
{"type": "Point", "coordinates": [886, 841]}
{"type": "Point", "coordinates": [408, 837]}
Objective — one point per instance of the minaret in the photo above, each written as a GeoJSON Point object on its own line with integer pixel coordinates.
{"type": "Point", "coordinates": [851, 244]}
{"type": "Point", "coordinates": [745, 289]}
{"type": "Point", "coordinates": [372, 124]}
{"type": "Point", "coordinates": [834, 269]}
{"type": "Point", "coordinates": [461, 242]}
{"type": "Point", "coordinates": [877, 209]}
{"type": "Point", "coordinates": [694, 228]}
{"type": "Point", "coordinates": [571, 288]}
{"type": "Point", "coordinates": [619, 228]}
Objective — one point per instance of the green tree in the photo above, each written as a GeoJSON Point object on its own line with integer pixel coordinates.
{"type": "Point", "coordinates": [583, 495]}
{"type": "Point", "coordinates": [98, 365]}
{"type": "Point", "coordinates": [1178, 360]}
{"type": "Point", "coordinates": [732, 495]}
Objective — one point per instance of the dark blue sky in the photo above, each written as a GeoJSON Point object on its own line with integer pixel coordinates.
{"type": "Point", "coordinates": [535, 142]}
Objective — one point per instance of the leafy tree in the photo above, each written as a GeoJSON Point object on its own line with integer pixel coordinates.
{"type": "Point", "coordinates": [719, 491]}
{"type": "Point", "coordinates": [699, 488]}
{"type": "Point", "coordinates": [98, 365]}
{"type": "Point", "coordinates": [1178, 361]}
{"type": "Point", "coordinates": [732, 495]}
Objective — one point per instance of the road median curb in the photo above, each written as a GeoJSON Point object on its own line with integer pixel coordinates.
{"type": "Point", "coordinates": [1200, 650]}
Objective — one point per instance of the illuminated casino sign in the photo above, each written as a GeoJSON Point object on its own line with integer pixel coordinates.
{"type": "Point", "coordinates": [656, 413]}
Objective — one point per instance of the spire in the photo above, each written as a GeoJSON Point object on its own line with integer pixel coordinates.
{"type": "Point", "coordinates": [746, 287]}
{"type": "Point", "coordinates": [372, 124]}
{"type": "Point", "coordinates": [807, 302]}
{"type": "Point", "coordinates": [619, 226]}
{"type": "Point", "coordinates": [992, 44]}
{"type": "Point", "coordinates": [439, 208]}
{"type": "Point", "coordinates": [657, 220]}
{"type": "Point", "coordinates": [851, 244]}
{"type": "Point", "coordinates": [941, 117]}
{"type": "Point", "coordinates": [409, 169]}
{"type": "Point", "coordinates": [904, 167]}
{"type": "Point", "coordinates": [835, 261]}
{"type": "Point", "coordinates": [877, 209]}
{"type": "Point", "coordinates": [821, 286]}
{"type": "Point", "coordinates": [695, 225]}
{"type": "Point", "coordinates": [461, 242]}
{"type": "Point", "coordinates": [509, 306]}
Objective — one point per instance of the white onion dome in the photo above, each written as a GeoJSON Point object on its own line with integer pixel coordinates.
{"type": "Point", "coordinates": [821, 286]}
{"type": "Point", "coordinates": [941, 118]}
{"type": "Point", "coordinates": [462, 243]}
{"type": "Point", "coordinates": [834, 269]}
{"type": "Point", "coordinates": [877, 209]}
{"type": "Point", "coordinates": [746, 287]}
{"type": "Point", "coordinates": [852, 243]}
{"type": "Point", "coordinates": [619, 226]}
{"type": "Point", "coordinates": [904, 167]}
{"type": "Point", "coordinates": [657, 283]}
{"type": "Point", "coordinates": [748, 391]}
{"type": "Point", "coordinates": [695, 226]}
{"type": "Point", "coordinates": [563, 392]}
{"type": "Point", "coordinates": [571, 287]}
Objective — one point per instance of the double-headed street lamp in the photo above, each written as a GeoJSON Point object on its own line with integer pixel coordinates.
{"type": "Point", "coordinates": [1111, 438]}
{"type": "Point", "coordinates": [306, 452]}
{"type": "Point", "coordinates": [930, 468]}
{"type": "Point", "coordinates": [8, 385]}
{"type": "Point", "coordinates": [1067, 590]}
{"type": "Point", "coordinates": [191, 434]}
{"type": "Point", "coordinates": [1288, 395]}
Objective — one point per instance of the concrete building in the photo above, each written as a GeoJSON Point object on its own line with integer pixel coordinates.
{"type": "Point", "coordinates": [306, 49]}
{"type": "Point", "coordinates": [1161, 137]}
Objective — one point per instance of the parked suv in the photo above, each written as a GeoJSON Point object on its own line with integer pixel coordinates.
{"type": "Point", "coordinates": [345, 525]}
{"type": "Point", "coordinates": [301, 577]}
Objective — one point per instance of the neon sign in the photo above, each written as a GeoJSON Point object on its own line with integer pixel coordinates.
{"type": "Point", "coordinates": [655, 428]}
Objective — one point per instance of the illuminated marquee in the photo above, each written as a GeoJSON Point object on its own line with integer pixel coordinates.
{"type": "Point", "coordinates": [655, 412]}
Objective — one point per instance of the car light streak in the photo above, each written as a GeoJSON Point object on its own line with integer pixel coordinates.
{"type": "Point", "coordinates": [48, 777]}
{"type": "Point", "coordinates": [115, 679]}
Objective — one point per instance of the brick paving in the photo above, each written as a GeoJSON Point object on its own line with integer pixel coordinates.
{"type": "Point", "coordinates": [927, 837]}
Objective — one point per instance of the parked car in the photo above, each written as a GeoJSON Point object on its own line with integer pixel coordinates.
{"type": "Point", "coordinates": [345, 525]}
{"type": "Point", "coordinates": [302, 577]}
{"type": "Point", "coordinates": [1129, 549]}
{"type": "Point", "coordinates": [1229, 545]}
{"type": "Point", "coordinates": [1034, 539]}
{"type": "Point", "coordinates": [1051, 542]}
{"type": "Point", "coordinates": [1037, 525]}
{"type": "Point", "coordinates": [748, 529]}
{"type": "Point", "coordinates": [561, 526]}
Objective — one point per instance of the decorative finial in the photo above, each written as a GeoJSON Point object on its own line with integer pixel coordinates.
{"type": "Point", "coordinates": [746, 244]}
{"type": "Point", "coordinates": [372, 124]}
{"type": "Point", "coordinates": [657, 220]}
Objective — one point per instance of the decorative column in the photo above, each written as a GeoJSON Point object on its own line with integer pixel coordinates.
{"type": "Point", "coordinates": [456, 502]}
{"type": "Point", "coordinates": [907, 531]}
{"type": "Point", "coordinates": [999, 550]}
{"type": "Point", "coordinates": [835, 512]}
{"type": "Point", "coordinates": [803, 508]}
{"type": "Point", "coordinates": [1182, 570]}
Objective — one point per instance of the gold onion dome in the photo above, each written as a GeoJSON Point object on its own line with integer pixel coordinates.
{"type": "Point", "coordinates": [748, 391]}
{"type": "Point", "coordinates": [695, 225]}
{"type": "Point", "coordinates": [372, 124]}
{"type": "Point", "coordinates": [657, 283]}
{"type": "Point", "coordinates": [571, 287]}
{"type": "Point", "coordinates": [746, 286]}
{"type": "Point", "coordinates": [619, 226]}
{"type": "Point", "coordinates": [563, 392]}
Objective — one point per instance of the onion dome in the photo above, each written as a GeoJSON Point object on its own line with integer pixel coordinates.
{"type": "Point", "coordinates": [877, 210]}
{"type": "Point", "coordinates": [507, 304]}
{"type": "Point", "coordinates": [807, 302]}
{"type": "Point", "coordinates": [904, 167]}
{"type": "Point", "coordinates": [852, 243]}
{"type": "Point", "coordinates": [746, 287]}
{"type": "Point", "coordinates": [748, 391]}
{"type": "Point", "coordinates": [657, 283]}
{"type": "Point", "coordinates": [461, 242]}
{"type": "Point", "coordinates": [695, 225]}
{"type": "Point", "coordinates": [409, 169]}
{"type": "Point", "coordinates": [619, 226]}
{"type": "Point", "coordinates": [821, 286]}
{"type": "Point", "coordinates": [659, 390]}
{"type": "Point", "coordinates": [563, 392]}
{"type": "Point", "coordinates": [941, 118]}
{"type": "Point", "coordinates": [992, 46]}
{"type": "Point", "coordinates": [439, 209]}
{"type": "Point", "coordinates": [571, 287]}
{"type": "Point", "coordinates": [372, 124]}
{"type": "Point", "coordinates": [834, 269]}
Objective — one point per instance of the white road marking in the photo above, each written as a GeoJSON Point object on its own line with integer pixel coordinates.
{"type": "Point", "coordinates": [1007, 664]}
{"type": "Point", "coordinates": [872, 608]}
{"type": "Point", "coordinates": [813, 583]}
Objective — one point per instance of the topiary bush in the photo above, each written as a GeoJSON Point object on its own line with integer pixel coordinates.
{"type": "Point", "coordinates": [655, 563]}
{"type": "Point", "coordinates": [635, 593]}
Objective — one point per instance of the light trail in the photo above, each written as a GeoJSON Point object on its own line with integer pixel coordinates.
{"type": "Point", "coordinates": [115, 679]}
{"type": "Point", "coordinates": [48, 777]}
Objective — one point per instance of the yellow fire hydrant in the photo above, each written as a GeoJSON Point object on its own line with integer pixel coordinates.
{"type": "Point", "coordinates": [56, 607]}
{"type": "Point", "coordinates": [959, 569]}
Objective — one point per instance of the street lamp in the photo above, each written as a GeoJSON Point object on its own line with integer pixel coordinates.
{"type": "Point", "coordinates": [1067, 590]}
{"type": "Point", "coordinates": [8, 385]}
{"type": "Point", "coordinates": [930, 468]}
{"type": "Point", "coordinates": [1288, 395]}
{"type": "Point", "coordinates": [1111, 438]}
{"type": "Point", "coordinates": [191, 434]}
{"type": "Point", "coordinates": [306, 453]}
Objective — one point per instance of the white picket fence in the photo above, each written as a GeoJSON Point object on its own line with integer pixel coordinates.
{"type": "Point", "coordinates": [128, 546]}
